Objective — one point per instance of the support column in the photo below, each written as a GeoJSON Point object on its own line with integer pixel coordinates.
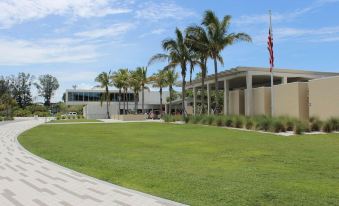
{"type": "Point", "coordinates": [249, 97]}
{"type": "Point", "coordinates": [284, 80]}
{"type": "Point", "coordinates": [226, 96]}
{"type": "Point", "coordinates": [208, 99]}
{"type": "Point", "coordinates": [194, 100]}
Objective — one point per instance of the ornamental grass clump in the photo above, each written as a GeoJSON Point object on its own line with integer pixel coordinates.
{"type": "Point", "coordinates": [228, 121]}
{"type": "Point", "coordinates": [219, 121]}
{"type": "Point", "coordinates": [298, 128]}
{"type": "Point", "coordinates": [334, 122]}
{"type": "Point", "coordinates": [263, 123]}
{"type": "Point", "coordinates": [168, 118]}
{"type": "Point", "coordinates": [210, 120]}
{"type": "Point", "coordinates": [249, 123]}
{"type": "Point", "coordinates": [277, 126]}
{"type": "Point", "coordinates": [238, 122]}
{"type": "Point", "coordinates": [315, 124]}
{"type": "Point", "coordinates": [327, 127]}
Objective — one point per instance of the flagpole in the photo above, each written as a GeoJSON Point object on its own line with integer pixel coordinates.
{"type": "Point", "coordinates": [272, 77]}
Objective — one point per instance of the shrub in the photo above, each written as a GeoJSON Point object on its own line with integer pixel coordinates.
{"type": "Point", "coordinates": [228, 121]}
{"type": "Point", "coordinates": [58, 117]}
{"type": "Point", "coordinates": [315, 124]}
{"type": "Point", "coordinates": [298, 128]}
{"type": "Point", "coordinates": [263, 123]}
{"type": "Point", "coordinates": [63, 117]}
{"type": "Point", "coordinates": [277, 126]}
{"type": "Point", "coordinates": [238, 122]}
{"type": "Point", "coordinates": [334, 124]}
{"type": "Point", "coordinates": [168, 118]}
{"type": "Point", "coordinates": [219, 121]}
{"type": "Point", "coordinates": [249, 123]}
{"type": "Point", "coordinates": [288, 123]}
{"type": "Point", "coordinates": [186, 119]}
{"type": "Point", "coordinates": [41, 114]}
{"type": "Point", "coordinates": [327, 127]}
{"type": "Point", "coordinates": [196, 119]}
{"type": "Point", "coordinates": [22, 113]}
{"type": "Point", "coordinates": [210, 119]}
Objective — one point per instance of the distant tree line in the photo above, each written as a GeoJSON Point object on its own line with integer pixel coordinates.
{"type": "Point", "coordinates": [16, 92]}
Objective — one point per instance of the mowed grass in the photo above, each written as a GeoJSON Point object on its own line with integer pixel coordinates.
{"type": "Point", "coordinates": [198, 165]}
{"type": "Point", "coordinates": [74, 120]}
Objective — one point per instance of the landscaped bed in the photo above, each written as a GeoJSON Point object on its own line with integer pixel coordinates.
{"type": "Point", "coordinates": [74, 120]}
{"type": "Point", "coordinates": [198, 165]}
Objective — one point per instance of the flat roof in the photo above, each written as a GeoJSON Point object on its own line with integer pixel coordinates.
{"type": "Point", "coordinates": [241, 69]}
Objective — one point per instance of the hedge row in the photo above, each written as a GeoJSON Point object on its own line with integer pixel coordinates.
{"type": "Point", "coordinates": [262, 123]}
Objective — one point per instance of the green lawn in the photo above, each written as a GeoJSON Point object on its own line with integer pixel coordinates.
{"type": "Point", "coordinates": [74, 120]}
{"type": "Point", "coordinates": [198, 165]}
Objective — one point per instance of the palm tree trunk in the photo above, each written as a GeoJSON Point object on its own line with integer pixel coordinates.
{"type": "Point", "coordinates": [203, 76]}
{"type": "Point", "coordinates": [216, 86]}
{"type": "Point", "coordinates": [107, 102]}
{"type": "Point", "coordinates": [136, 102]}
{"type": "Point", "coordinates": [127, 101]}
{"type": "Point", "coordinates": [143, 99]}
{"type": "Point", "coordinates": [183, 88]}
{"type": "Point", "coordinates": [170, 100]}
{"type": "Point", "coordinates": [124, 95]}
{"type": "Point", "coordinates": [160, 101]}
{"type": "Point", "coordinates": [191, 72]}
{"type": "Point", "coordinates": [119, 99]}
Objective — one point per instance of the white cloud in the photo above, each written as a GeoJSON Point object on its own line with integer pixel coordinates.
{"type": "Point", "coordinates": [165, 10]}
{"type": "Point", "coordinates": [19, 52]}
{"type": "Point", "coordinates": [281, 17]}
{"type": "Point", "coordinates": [18, 11]}
{"type": "Point", "coordinates": [114, 30]}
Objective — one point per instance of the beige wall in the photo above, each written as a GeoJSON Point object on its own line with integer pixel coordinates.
{"type": "Point", "coordinates": [236, 102]}
{"type": "Point", "coordinates": [324, 97]}
{"type": "Point", "coordinates": [291, 100]}
{"type": "Point", "coordinates": [261, 101]}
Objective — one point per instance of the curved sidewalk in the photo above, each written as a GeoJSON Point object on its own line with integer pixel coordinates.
{"type": "Point", "coordinates": [27, 180]}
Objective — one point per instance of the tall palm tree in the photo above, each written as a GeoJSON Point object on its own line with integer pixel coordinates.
{"type": "Point", "coordinates": [177, 55]}
{"type": "Point", "coordinates": [142, 72]}
{"type": "Point", "coordinates": [218, 39]}
{"type": "Point", "coordinates": [171, 77]}
{"type": "Point", "coordinates": [120, 79]}
{"type": "Point", "coordinates": [135, 82]}
{"type": "Point", "coordinates": [159, 81]}
{"type": "Point", "coordinates": [198, 40]}
{"type": "Point", "coordinates": [104, 80]}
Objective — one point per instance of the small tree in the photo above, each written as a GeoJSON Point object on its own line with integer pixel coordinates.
{"type": "Point", "coordinates": [104, 80]}
{"type": "Point", "coordinates": [21, 88]}
{"type": "Point", "coordinates": [46, 87]}
{"type": "Point", "coordinates": [159, 80]}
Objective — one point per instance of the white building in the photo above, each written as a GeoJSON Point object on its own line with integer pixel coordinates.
{"type": "Point", "coordinates": [93, 109]}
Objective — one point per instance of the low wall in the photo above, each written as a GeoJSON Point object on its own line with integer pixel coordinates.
{"type": "Point", "coordinates": [324, 97]}
{"type": "Point", "coordinates": [236, 102]}
{"type": "Point", "coordinates": [291, 100]}
{"type": "Point", "coordinates": [129, 117]}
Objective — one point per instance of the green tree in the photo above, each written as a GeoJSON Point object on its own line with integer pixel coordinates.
{"type": "Point", "coordinates": [171, 78]}
{"type": "Point", "coordinates": [177, 55]}
{"type": "Point", "coordinates": [104, 80]}
{"type": "Point", "coordinates": [135, 82]}
{"type": "Point", "coordinates": [21, 88]}
{"type": "Point", "coordinates": [142, 72]}
{"type": "Point", "coordinates": [218, 38]}
{"type": "Point", "coordinates": [159, 81]}
{"type": "Point", "coordinates": [46, 87]}
{"type": "Point", "coordinates": [120, 80]}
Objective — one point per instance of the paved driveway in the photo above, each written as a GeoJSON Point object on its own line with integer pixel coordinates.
{"type": "Point", "coordinates": [27, 180]}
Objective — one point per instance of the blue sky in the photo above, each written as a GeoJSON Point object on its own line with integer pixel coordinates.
{"type": "Point", "coordinates": [74, 40]}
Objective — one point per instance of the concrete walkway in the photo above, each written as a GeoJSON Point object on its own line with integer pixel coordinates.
{"type": "Point", "coordinates": [27, 180]}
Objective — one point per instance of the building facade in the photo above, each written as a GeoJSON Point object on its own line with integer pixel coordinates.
{"type": "Point", "coordinates": [247, 91]}
{"type": "Point", "coordinates": [94, 109]}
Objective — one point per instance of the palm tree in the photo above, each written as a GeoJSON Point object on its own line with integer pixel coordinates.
{"type": "Point", "coordinates": [135, 82]}
{"type": "Point", "coordinates": [120, 79]}
{"type": "Point", "coordinates": [104, 80]}
{"type": "Point", "coordinates": [142, 72]}
{"type": "Point", "coordinates": [198, 40]}
{"type": "Point", "coordinates": [177, 55]}
{"type": "Point", "coordinates": [171, 77]}
{"type": "Point", "coordinates": [218, 39]}
{"type": "Point", "coordinates": [159, 81]}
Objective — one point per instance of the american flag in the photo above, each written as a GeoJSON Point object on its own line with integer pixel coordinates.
{"type": "Point", "coordinates": [270, 46]}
